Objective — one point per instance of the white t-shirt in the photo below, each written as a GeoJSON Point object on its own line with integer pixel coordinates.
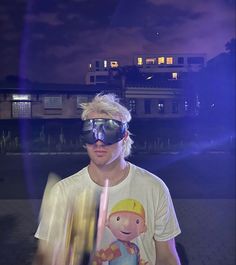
{"type": "Point", "coordinates": [141, 194]}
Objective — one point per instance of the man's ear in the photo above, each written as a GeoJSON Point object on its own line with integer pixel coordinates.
{"type": "Point", "coordinates": [126, 135]}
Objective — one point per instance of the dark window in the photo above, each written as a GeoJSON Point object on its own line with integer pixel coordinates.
{"type": "Point", "coordinates": [92, 79]}
{"type": "Point", "coordinates": [97, 64]}
{"type": "Point", "coordinates": [52, 102]}
{"type": "Point", "coordinates": [195, 60]}
{"type": "Point", "coordinates": [147, 106]}
{"type": "Point", "coordinates": [180, 60]}
{"type": "Point", "coordinates": [101, 78]}
{"type": "Point", "coordinates": [175, 107]}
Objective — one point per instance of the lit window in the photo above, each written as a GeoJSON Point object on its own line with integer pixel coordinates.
{"type": "Point", "coordinates": [160, 106]}
{"type": "Point", "coordinates": [21, 109]}
{"type": "Point", "coordinates": [161, 60]}
{"type": "Point", "coordinates": [186, 105]}
{"type": "Point", "coordinates": [105, 63]}
{"type": "Point", "coordinates": [169, 60]}
{"type": "Point", "coordinates": [21, 97]}
{"type": "Point", "coordinates": [90, 66]}
{"type": "Point", "coordinates": [150, 60]}
{"type": "Point", "coordinates": [175, 76]}
{"type": "Point", "coordinates": [140, 61]}
{"type": "Point", "coordinates": [198, 103]}
{"type": "Point", "coordinates": [53, 102]}
{"type": "Point", "coordinates": [132, 105]}
{"type": "Point", "coordinates": [114, 64]}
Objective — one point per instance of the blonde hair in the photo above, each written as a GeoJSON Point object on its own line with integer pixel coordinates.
{"type": "Point", "coordinates": [109, 104]}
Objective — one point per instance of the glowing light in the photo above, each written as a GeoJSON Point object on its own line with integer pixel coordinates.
{"type": "Point", "coordinates": [161, 60]}
{"type": "Point", "coordinates": [114, 64]}
{"type": "Point", "coordinates": [186, 105]}
{"type": "Point", "coordinates": [150, 61]}
{"type": "Point", "coordinates": [140, 61]}
{"type": "Point", "coordinates": [105, 63]}
{"type": "Point", "coordinates": [160, 107]}
{"type": "Point", "coordinates": [169, 60]}
{"type": "Point", "coordinates": [175, 76]}
{"type": "Point", "coordinates": [21, 97]}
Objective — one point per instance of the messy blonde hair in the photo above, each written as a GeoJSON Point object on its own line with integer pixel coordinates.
{"type": "Point", "coordinates": [109, 104]}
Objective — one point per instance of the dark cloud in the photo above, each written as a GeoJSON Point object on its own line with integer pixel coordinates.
{"type": "Point", "coordinates": [55, 40]}
{"type": "Point", "coordinates": [144, 14]}
{"type": "Point", "coordinates": [13, 13]}
{"type": "Point", "coordinates": [83, 14]}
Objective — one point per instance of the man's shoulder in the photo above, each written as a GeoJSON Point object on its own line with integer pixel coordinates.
{"type": "Point", "coordinates": [142, 175]}
{"type": "Point", "coordinates": [73, 180]}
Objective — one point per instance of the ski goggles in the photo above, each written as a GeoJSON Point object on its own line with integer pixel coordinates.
{"type": "Point", "coordinates": [109, 131]}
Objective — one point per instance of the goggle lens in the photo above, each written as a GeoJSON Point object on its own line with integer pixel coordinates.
{"type": "Point", "coordinates": [109, 131]}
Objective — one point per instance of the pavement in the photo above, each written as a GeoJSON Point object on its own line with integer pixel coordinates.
{"type": "Point", "coordinates": [207, 238]}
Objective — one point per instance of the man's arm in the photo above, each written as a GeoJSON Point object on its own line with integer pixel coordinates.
{"type": "Point", "coordinates": [166, 253]}
{"type": "Point", "coordinates": [40, 256]}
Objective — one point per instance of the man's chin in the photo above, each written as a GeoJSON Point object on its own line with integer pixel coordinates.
{"type": "Point", "coordinates": [100, 161]}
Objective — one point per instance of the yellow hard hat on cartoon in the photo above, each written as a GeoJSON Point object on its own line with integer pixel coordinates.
{"type": "Point", "coordinates": [129, 205]}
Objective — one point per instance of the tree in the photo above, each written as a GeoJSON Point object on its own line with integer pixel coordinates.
{"type": "Point", "coordinates": [216, 87]}
{"type": "Point", "coordinates": [230, 46]}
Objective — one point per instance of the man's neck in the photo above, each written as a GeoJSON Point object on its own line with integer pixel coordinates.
{"type": "Point", "coordinates": [114, 172]}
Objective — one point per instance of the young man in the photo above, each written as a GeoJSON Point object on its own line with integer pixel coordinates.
{"type": "Point", "coordinates": [140, 221]}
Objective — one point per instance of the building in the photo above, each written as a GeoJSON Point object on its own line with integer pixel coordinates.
{"type": "Point", "coordinates": [154, 86]}
{"type": "Point", "coordinates": [46, 101]}
{"type": "Point", "coordinates": [170, 66]}
{"type": "Point", "coordinates": [162, 103]}
{"type": "Point", "coordinates": [99, 71]}
{"type": "Point", "coordinates": [175, 64]}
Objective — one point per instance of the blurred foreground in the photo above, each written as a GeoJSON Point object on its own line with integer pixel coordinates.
{"type": "Point", "coordinates": [202, 186]}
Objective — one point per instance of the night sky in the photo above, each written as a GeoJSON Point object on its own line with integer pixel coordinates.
{"type": "Point", "coordinates": [54, 40]}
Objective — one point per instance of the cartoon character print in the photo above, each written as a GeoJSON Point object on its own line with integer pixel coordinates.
{"type": "Point", "coordinates": [126, 222]}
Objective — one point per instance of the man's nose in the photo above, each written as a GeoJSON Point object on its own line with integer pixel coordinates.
{"type": "Point", "coordinates": [99, 143]}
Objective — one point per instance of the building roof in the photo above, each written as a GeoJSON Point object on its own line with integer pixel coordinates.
{"type": "Point", "coordinates": [30, 87]}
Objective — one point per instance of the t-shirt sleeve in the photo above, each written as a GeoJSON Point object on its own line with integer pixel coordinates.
{"type": "Point", "coordinates": [52, 215]}
{"type": "Point", "coordinates": [166, 223]}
